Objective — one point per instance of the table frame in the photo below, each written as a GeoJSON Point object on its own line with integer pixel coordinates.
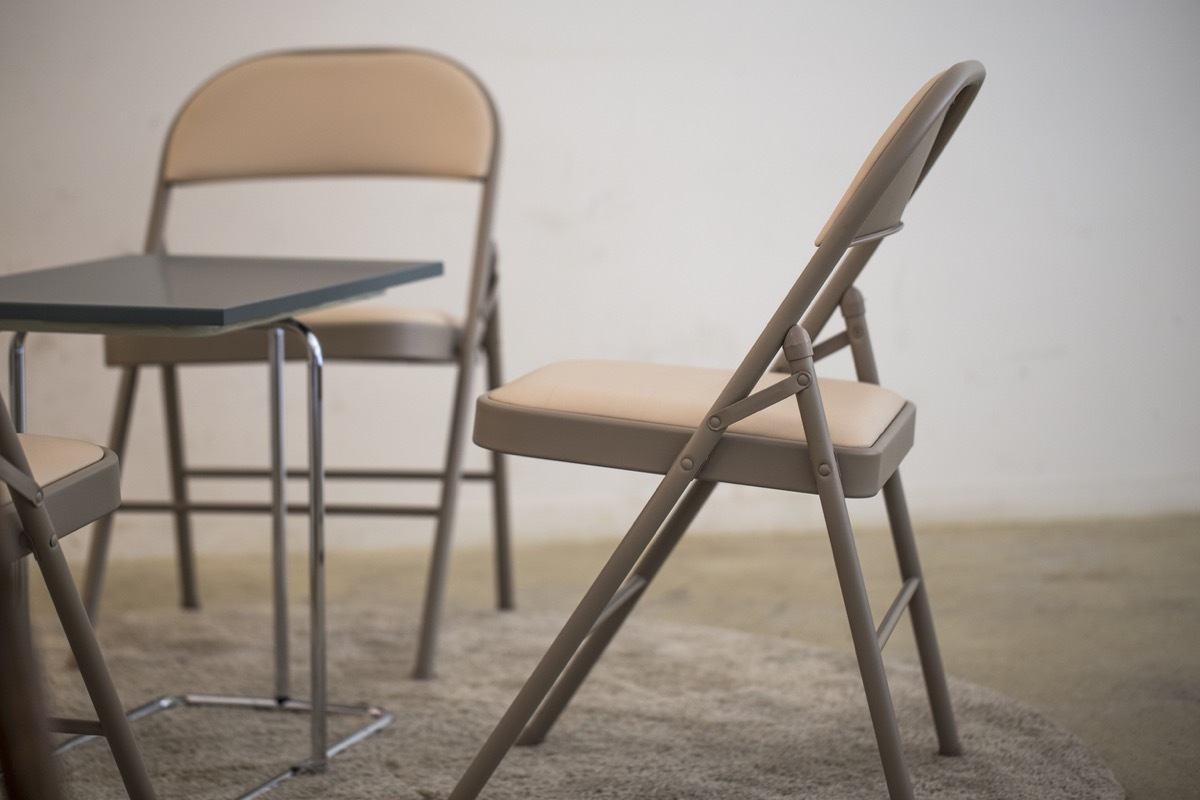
{"type": "Point", "coordinates": [317, 706]}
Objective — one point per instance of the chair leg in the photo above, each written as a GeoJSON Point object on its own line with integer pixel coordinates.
{"type": "Point", "coordinates": [798, 350]}
{"type": "Point", "coordinates": [86, 650]}
{"type": "Point", "coordinates": [505, 588]}
{"type": "Point", "coordinates": [25, 744]}
{"type": "Point", "coordinates": [855, 312]}
{"type": "Point", "coordinates": [435, 582]}
{"type": "Point", "coordinates": [567, 643]}
{"type": "Point", "coordinates": [921, 613]}
{"type": "Point", "coordinates": [189, 594]}
{"type": "Point", "coordinates": [93, 584]}
{"type": "Point", "coordinates": [604, 632]}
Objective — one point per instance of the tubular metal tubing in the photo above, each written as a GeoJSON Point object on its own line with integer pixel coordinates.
{"type": "Point", "coordinates": [316, 488]}
{"type": "Point", "coordinates": [76, 727]}
{"type": "Point", "coordinates": [188, 590]}
{"type": "Point", "coordinates": [921, 613]}
{"type": "Point", "coordinates": [293, 508]}
{"type": "Point", "coordinates": [775, 393]}
{"type": "Point", "coordinates": [275, 361]}
{"type": "Point", "coordinates": [849, 570]}
{"type": "Point", "coordinates": [97, 561]}
{"type": "Point", "coordinates": [828, 347]}
{"type": "Point", "coordinates": [16, 380]}
{"type": "Point", "coordinates": [501, 514]}
{"type": "Point", "coordinates": [439, 560]}
{"type": "Point", "coordinates": [602, 634]}
{"type": "Point", "coordinates": [892, 617]}
{"type": "Point", "coordinates": [580, 623]}
{"type": "Point", "coordinates": [379, 719]}
{"type": "Point", "coordinates": [630, 592]}
{"type": "Point", "coordinates": [920, 610]}
{"type": "Point", "coordinates": [332, 474]}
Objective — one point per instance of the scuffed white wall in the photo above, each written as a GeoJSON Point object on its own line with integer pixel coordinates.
{"type": "Point", "coordinates": [666, 165]}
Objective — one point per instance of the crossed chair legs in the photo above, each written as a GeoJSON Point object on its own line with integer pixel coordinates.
{"type": "Point", "coordinates": [654, 534]}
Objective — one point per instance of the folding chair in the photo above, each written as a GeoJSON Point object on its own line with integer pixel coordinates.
{"type": "Point", "coordinates": [50, 487]}
{"type": "Point", "coordinates": [400, 114]}
{"type": "Point", "coordinates": [699, 427]}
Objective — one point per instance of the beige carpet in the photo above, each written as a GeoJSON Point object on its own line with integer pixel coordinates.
{"type": "Point", "coordinates": [674, 711]}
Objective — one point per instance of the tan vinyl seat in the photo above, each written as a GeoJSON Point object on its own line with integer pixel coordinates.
{"type": "Point", "coordinates": [638, 416]}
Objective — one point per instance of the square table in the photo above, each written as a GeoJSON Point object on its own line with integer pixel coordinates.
{"type": "Point", "coordinates": [177, 295]}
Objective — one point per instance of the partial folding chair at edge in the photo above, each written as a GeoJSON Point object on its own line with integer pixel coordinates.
{"type": "Point", "coordinates": [378, 113]}
{"type": "Point", "coordinates": [699, 427]}
{"type": "Point", "coordinates": [51, 487]}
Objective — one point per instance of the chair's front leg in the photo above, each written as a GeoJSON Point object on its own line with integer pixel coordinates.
{"type": "Point", "coordinates": [576, 629]}
{"type": "Point", "coordinates": [798, 351]}
{"type": "Point", "coordinates": [596, 643]}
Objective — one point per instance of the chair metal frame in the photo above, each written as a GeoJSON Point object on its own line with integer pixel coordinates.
{"type": "Point", "coordinates": [870, 211]}
{"type": "Point", "coordinates": [479, 336]}
{"type": "Point", "coordinates": [40, 538]}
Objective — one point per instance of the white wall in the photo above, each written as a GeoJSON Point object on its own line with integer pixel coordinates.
{"type": "Point", "coordinates": [666, 165]}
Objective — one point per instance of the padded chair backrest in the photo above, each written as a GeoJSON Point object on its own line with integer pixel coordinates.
{"type": "Point", "coordinates": [873, 206]}
{"type": "Point", "coordinates": [871, 209]}
{"type": "Point", "coordinates": [906, 151]}
{"type": "Point", "coordinates": [348, 112]}
{"type": "Point", "coordinates": [338, 113]}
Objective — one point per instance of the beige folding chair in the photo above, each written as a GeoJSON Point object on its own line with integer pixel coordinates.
{"type": "Point", "coordinates": [51, 487]}
{"type": "Point", "coordinates": [399, 114]}
{"type": "Point", "coordinates": [699, 427]}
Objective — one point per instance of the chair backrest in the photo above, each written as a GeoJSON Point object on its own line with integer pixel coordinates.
{"type": "Point", "coordinates": [338, 113]}
{"type": "Point", "coordinates": [348, 112]}
{"type": "Point", "coordinates": [870, 210]}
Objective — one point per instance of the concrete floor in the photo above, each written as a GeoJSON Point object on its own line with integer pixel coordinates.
{"type": "Point", "coordinates": [1095, 623]}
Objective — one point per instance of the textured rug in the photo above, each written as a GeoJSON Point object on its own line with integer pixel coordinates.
{"type": "Point", "coordinates": [672, 712]}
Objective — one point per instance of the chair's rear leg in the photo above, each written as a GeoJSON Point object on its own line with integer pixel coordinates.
{"type": "Point", "coordinates": [798, 350]}
{"type": "Point", "coordinates": [505, 587]}
{"type": "Point", "coordinates": [595, 644]}
{"type": "Point", "coordinates": [185, 552]}
{"type": "Point", "coordinates": [921, 613]}
{"type": "Point", "coordinates": [572, 635]}
{"type": "Point", "coordinates": [855, 312]}
{"type": "Point", "coordinates": [93, 583]}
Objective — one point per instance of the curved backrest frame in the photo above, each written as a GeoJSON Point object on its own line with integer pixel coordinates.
{"type": "Point", "coordinates": [332, 113]}
{"type": "Point", "coordinates": [895, 168]}
{"type": "Point", "coordinates": [358, 112]}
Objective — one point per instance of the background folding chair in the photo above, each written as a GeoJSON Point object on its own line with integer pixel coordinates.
{"type": "Point", "coordinates": [51, 487]}
{"type": "Point", "coordinates": [399, 114]}
{"type": "Point", "coordinates": [699, 427]}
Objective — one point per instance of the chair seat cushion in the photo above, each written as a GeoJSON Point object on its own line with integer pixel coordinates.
{"type": "Point", "coordinates": [638, 416]}
{"type": "Point", "coordinates": [81, 482]}
{"type": "Point", "coordinates": [356, 332]}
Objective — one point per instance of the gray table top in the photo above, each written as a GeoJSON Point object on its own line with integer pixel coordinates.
{"type": "Point", "coordinates": [190, 295]}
